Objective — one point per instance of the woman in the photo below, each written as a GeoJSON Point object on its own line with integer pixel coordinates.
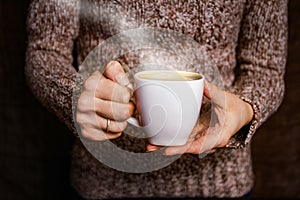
{"type": "Point", "coordinates": [247, 40]}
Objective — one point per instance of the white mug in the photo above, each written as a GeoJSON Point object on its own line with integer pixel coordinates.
{"type": "Point", "coordinates": [168, 103]}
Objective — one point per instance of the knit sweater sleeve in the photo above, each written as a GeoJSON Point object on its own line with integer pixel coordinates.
{"type": "Point", "coordinates": [52, 27]}
{"type": "Point", "coordinates": [261, 57]}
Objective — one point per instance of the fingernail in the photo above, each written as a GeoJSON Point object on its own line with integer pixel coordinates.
{"type": "Point", "coordinates": [130, 86]}
{"type": "Point", "coordinates": [122, 79]}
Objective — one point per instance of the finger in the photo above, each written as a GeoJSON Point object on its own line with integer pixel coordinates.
{"type": "Point", "coordinates": [92, 120]}
{"type": "Point", "coordinates": [91, 83]}
{"type": "Point", "coordinates": [106, 89]}
{"type": "Point", "coordinates": [107, 109]}
{"type": "Point", "coordinates": [113, 110]}
{"type": "Point", "coordinates": [109, 90]}
{"type": "Point", "coordinates": [205, 143]}
{"type": "Point", "coordinates": [112, 127]}
{"type": "Point", "coordinates": [193, 148]}
{"type": "Point", "coordinates": [215, 94]}
{"type": "Point", "coordinates": [177, 150]}
{"type": "Point", "coordinates": [212, 151]}
{"type": "Point", "coordinates": [115, 72]}
{"type": "Point", "coordinates": [151, 147]}
{"type": "Point", "coordinates": [98, 134]}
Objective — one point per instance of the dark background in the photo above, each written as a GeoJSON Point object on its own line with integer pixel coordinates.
{"type": "Point", "coordinates": [35, 148]}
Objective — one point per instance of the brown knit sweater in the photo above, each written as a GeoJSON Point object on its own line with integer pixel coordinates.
{"type": "Point", "coordinates": [247, 39]}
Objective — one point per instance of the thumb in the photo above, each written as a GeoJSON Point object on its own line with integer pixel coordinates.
{"type": "Point", "coordinates": [215, 94]}
{"type": "Point", "coordinates": [115, 72]}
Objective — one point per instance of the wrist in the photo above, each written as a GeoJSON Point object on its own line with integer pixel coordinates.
{"type": "Point", "coordinates": [249, 113]}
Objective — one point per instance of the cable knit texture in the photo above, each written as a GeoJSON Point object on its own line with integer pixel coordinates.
{"type": "Point", "coordinates": [247, 39]}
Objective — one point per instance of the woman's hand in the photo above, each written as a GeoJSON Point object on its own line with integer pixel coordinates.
{"type": "Point", "coordinates": [228, 114]}
{"type": "Point", "coordinates": [104, 105]}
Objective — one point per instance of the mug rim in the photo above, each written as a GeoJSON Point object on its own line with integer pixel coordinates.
{"type": "Point", "coordinates": [136, 76]}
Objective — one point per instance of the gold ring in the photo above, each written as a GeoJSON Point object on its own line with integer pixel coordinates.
{"type": "Point", "coordinates": [107, 125]}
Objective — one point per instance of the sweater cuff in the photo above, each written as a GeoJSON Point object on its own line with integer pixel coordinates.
{"type": "Point", "coordinates": [243, 137]}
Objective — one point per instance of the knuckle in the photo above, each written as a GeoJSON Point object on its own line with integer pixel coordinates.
{"type": "Point", "coordinates": [90, 84]}
{"type": "Point", "coordinates": [83, 121]}
{"type": "Point", "coordinates": [83, 103]}
{"type": "Point", "coordinates": [113, 64]}
{"type": "Point", "coordinates": [121, 126]}
{"type": "Point", "coordinates": [124, 114]}
{"type": "Point", "coordinates": [124, 125]}
{"type": "Point", "coordinates": [85, 133]}
{"type": "Point", "coordinates": [80, 119]}
{"type": "Point", "coordinates": [104, 82]}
